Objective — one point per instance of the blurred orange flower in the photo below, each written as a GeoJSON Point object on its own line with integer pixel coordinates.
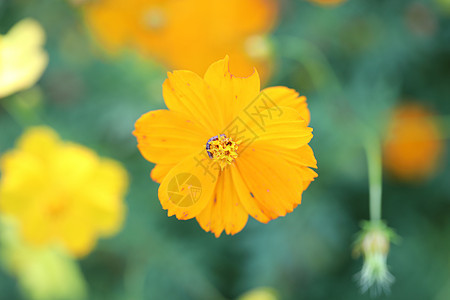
{"type": "Point", "coordinates": [188, 34]}
{"type": "Point", "coordinates": [61, 192]}
{"type": "Point", "coordinates": [225, 149]}
{"type": "Point", "coordinates": [413, 145]}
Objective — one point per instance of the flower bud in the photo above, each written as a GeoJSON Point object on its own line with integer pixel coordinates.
{"type": "Point", "coordinates": [373, 243]}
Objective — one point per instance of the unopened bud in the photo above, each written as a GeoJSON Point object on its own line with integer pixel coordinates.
{"type": "Point", "coordinates": [373, 243]}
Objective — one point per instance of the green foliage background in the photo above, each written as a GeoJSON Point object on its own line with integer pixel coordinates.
{"type": "Point", "coordinates": [353, 62]}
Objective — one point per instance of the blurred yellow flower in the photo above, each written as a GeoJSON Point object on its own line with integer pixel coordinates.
{"type": "Point", "coordinates": [42, 273]}
{"type": "Point", "coordinates": [413, 146]}
{"type": "Point", "coordinates": [189, 34]}
{"type": "Point", "coordinates": [61, 192]}
{"type": "Point", "coordinates": [226, 150]}
{"type": "Point", "coordinates": [22, 57]}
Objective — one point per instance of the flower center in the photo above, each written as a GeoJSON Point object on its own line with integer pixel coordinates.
{"type": "Point", "coordinates": [222, 149]}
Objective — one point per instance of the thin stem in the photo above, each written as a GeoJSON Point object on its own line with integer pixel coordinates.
{"type": "Point", "coordinates": [373, 152]}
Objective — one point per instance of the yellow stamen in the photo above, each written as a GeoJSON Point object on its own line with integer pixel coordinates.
{"type": "Point", "coordinates": [222, 149]}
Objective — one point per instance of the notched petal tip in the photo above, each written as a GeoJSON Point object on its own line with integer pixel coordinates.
{"type": "Point", "coordinates": [222, 66]}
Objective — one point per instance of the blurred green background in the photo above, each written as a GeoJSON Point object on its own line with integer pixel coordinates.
{"type": "Point", "coordinates": [353, 61]}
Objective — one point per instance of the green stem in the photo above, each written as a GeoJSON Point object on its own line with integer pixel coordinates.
{"type": "Point", "coordinates": [373, 152]}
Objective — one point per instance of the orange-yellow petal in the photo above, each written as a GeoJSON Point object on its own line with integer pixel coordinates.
{"type": "Point", "coordinates": [233, 93]}
{"type": "Point", "coordinates": [166, 136]}
{"type": "Point", "coordinates": [225, 212]}
{"type": "Point", "coordinates": [284, 96]}
{"type": "Point", "coordinates": [250, 204]}
{"type": "Point", "coordinates": [160, 171]}
{"type": "Point", "coordinates": [189, 186]}
{"type": "Point", "coordinates": [187, 93]}
{"type": "Point", "coordinates": [272, 181]}
{"type": "Point", "coordinates": [282, 127]}
{"type": "Point", "coordinates": [302, 156]}
{"type": "Point", "coordinates": [307, 176]}
{"type": "Point", "coordinates": [301, 159]}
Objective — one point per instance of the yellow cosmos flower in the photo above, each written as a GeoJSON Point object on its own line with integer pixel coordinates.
{"type": "Point", "coordinates": [225, 150]}
{"type": "Point", "coordinates": [413, 146]}
{"type": "Point", "coordinates": [22, 58]}
{"type": "Point", "coordinates": [61, 192]}
{"type": "Point", "coordinates": [188, 34]}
